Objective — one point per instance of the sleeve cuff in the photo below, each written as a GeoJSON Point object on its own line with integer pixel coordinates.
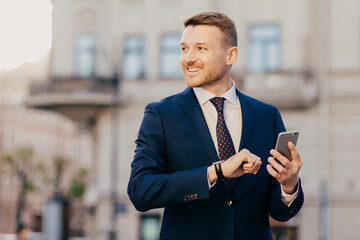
{"type": "Point", "coordinates": [211, 185]}
{"type": "Point", "coordinates": [288, 199]}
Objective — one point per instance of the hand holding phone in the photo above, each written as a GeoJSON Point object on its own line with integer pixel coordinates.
{"type": "Point", "coordinates": [281, 165]}
{"type": "Point", "coordinates": [282, 142]}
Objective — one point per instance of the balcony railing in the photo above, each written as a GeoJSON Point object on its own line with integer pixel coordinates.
{"type": "Point", "coordinates": [76, 84]}
{"type": "Point", "coordinates": [288, 89]}
{"type": "Point", "coordinates": [77, 98]}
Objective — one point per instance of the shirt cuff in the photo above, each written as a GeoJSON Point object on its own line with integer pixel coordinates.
{"type": "Point", "coordinates": [211, 185]}
{"type": "Point", "coordinates": [288, 199]}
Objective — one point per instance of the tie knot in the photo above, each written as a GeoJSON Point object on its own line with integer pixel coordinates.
{"type": "Point", "coordinates": [218, 103]}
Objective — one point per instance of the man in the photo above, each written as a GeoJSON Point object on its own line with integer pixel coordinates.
{"type": "Point", "coordinates": [183, 137]}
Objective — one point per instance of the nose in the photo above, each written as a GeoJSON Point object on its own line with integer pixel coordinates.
{"type": "Point", "coordinates": [190, 57]}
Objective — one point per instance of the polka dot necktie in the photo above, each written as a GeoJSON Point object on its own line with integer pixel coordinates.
{"type": "Point", "coordinates": [225, 143]}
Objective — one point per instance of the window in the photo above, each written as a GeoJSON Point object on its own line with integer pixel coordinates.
{"type": "Point", "coordinates": [85, 45]}
{"type": "Point", "coordinates": [264, 54]}
{"type": "Point", "coordinates": [170, 56]}
{"type": "Point", "coordinates": [284, 232]}
{"type": "Point", "coordinates": [134, 59]}
{"type": "Point", "coordinates": [150, 227]}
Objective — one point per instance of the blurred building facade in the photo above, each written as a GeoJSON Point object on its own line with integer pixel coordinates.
{"type": "Point", "coordinates": [302, 56]}
{"type": "Point", "coordinates": [48, 134]}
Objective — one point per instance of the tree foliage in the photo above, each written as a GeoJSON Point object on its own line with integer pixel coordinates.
{"type": "Point", "coordinates": [59, 175]}
{"type": "Point", "coordinates": [22, 165]}
{"type": "Point", "coordinates": [66, 180]}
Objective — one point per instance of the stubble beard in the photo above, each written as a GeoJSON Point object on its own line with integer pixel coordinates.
{"type": "Point", "coordinates": [211, 79]}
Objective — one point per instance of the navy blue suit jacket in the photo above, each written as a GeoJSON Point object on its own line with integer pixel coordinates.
{"type": "Point", "coordinates": [174, 149]}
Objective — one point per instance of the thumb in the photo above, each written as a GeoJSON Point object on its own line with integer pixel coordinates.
{"type": "Point", "coordinates": [294, 152]}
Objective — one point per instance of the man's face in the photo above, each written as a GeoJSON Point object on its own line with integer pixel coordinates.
{"type": "Point", "coordinates": [203, 56]}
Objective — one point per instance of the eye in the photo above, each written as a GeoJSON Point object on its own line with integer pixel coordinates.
{"type": "Point", "coordinates": [202, 48]}
{"type": "Point", "coordinates": [183, 49]}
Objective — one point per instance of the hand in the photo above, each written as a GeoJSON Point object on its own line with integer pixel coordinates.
{"type": "Point", "coordinates": [241, 163]}
{"type": "Point", "coordinates": [287, 173]}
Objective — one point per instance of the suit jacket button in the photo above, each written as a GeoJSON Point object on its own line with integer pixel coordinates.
{"type": "Point", "coordinates": [229, 202]}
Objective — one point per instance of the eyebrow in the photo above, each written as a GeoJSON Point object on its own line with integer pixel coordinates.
{"type": "Point", "coordinates": [197, 43]}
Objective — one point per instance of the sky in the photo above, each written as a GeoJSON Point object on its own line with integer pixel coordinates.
{"type": "Point", "coordinates": [25, 31]}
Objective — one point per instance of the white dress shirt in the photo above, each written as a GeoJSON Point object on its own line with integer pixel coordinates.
{"type": "Point", "coordinates": [233, 120]}
{"type": "Point", "coordinates": [232, 114]}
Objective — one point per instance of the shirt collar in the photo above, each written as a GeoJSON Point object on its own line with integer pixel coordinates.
{"type": "Point", "coordinates": [203, 96]}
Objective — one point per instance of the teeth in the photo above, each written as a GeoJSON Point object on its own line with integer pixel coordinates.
{"type": "Point", "coordinates": [194, 69]}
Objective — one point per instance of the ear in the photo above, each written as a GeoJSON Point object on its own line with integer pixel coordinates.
{"type": "Point", "coordinates": [232, 55]}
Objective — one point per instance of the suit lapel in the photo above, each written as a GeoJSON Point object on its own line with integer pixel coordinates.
{"type": "Point", "coordinates": [247, 127]}
{"type": "Point", "coordinates": [247, 122]}
{"type": "Point", "coordinates": [193, 111]}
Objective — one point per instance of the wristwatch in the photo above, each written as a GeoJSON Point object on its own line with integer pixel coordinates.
{"type": "Point", "coordinates": [218, 171]}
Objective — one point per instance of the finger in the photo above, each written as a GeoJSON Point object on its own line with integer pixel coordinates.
{"type": "Point", "coordinates": [253, 169]}
{"type": "Point", "coordinates": [249, 162]}
{"type": "Point", "coordinates": [253, 166]}
{"type": "Point", "coordinates": [248, 170]}
{"type": "Point", "coordinates": [272, 172]}
{"type": "Point", "coordinates": [247, 166]}
{"type": "Point", "coordinates": [276, 165]}
{"type": "Point", "coordinates": [255, 159]}
{"type": "Point", "coordinates": [278, 156]}
{"type": "Point", "coordinates": [292, 147]}
{"type": "Point", "coordinates": [257, 168]}
{"type": "Point", "coordinates": [294, 153]}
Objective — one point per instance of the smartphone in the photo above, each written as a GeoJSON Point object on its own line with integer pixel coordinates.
{"type": "Point", "coordinates": [282, 142]}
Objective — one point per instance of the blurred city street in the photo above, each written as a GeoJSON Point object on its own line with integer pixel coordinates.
{"type": "Point", "coordinates": [75, 77]}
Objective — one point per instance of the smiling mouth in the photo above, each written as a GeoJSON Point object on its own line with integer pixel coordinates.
{"type": "Point", "coordinates": [193, 69]}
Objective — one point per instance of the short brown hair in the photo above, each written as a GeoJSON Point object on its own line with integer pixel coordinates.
{"type": "Point", "coordinates": [223, 22]}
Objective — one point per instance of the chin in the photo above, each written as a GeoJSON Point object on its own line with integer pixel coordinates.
{"type": "Point", "coordinates": [192, 83]}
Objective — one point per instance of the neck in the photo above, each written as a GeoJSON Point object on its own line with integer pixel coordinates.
{"type": "Point", "coordinates": [220, 87]}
